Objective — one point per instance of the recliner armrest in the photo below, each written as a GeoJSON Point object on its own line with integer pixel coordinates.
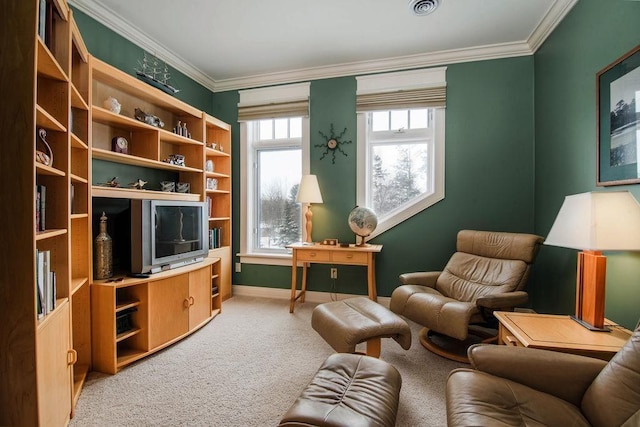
{"type": "Point", "coordinates": [566, 376]}
{"type": "Point", "coordinates": [424, 278]}
{"type": "Point", "coordinates": [503, 301]}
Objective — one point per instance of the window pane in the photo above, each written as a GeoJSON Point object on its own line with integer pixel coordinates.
{"type": "Point", "coordinates": [266, 129]}
{"type": "Point", "coordinates": [295, 127]}
{"type": "Point", "coordinates": [281, 126]}
{"type": "Point", "coordinates": [399, 119]}
{"type": "Point", "coordinates": [379, 121]}
{"type": "Point", "coordinates": [399, 174]}
{"type": "Point", "coordinates": [418, 119]}
{"type": "Point", "coordinates": [278, 214]}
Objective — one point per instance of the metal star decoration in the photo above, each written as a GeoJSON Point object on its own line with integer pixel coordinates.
{"type": "Point", "coordinates": [332, 144]}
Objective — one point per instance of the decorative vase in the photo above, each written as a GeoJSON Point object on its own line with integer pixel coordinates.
{"type": "Point", "coordinates": [103, 252]}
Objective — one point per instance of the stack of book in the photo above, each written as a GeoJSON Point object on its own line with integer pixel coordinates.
{"type": "Point", "coordinates": [215, 238]}
{"type": "Point", "coordinates": [45, 284]}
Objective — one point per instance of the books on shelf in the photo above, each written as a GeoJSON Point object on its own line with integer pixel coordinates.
{"type": "Point", "coordinates": [41, 204]}
{"type": "Point", "coordinates": [215, 237]}
{"type": "Point", "coordinates": [45, 284]}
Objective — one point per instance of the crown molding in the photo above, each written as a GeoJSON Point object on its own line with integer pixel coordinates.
{"type": "Point", "coordinates": [558, 10]}
{"type": "Point", "coordinates": [556, 13]}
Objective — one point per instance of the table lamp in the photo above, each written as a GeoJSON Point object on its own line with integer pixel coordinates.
{"type": "Point", "coordinates": [595, 222]}
{"type": "Point", "coordinates": [309, 192]}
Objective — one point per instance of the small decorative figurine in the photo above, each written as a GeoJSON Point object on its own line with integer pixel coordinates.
{"type": "Point", "coordinates": [46, 158]}
{"type": "Point", "coordinates": [112, 105]}
{"type": "Point", "coordinates": [113, 182]}
{"type": "Point", "coordinates": [138, 185]}
{"type": "Point", "coordinates": [149, 119]}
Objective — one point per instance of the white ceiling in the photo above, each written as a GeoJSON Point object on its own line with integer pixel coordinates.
{"type": "Point", "coordinates": [237, 44]}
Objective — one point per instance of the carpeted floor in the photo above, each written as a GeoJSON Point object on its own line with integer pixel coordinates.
{"type": "Point", "coordinates": [245, 368]}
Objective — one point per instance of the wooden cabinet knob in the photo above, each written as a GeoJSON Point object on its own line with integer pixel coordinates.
{"type": "Point", "coordinates": [191, 301]}
{"type": "Point", "coordinates": [72, 357]}
{"type": "Point", "coordinates": [509, 340]}
{"type": "Point", "coordinates": [186, 303]}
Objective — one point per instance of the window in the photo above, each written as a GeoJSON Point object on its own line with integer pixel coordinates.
{"type": "Point", "coordinates": [400, 144]}
{"type": "Point", "coordinates": [274, 136]}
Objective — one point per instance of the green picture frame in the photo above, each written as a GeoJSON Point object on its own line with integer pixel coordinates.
{"type": "Point", "coordinates": [618, 121]}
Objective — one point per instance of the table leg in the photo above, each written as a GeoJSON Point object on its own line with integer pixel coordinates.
{"type": "Point", "coordinates": [303, 285]}
{"type": "Point", "coordinates": [371, 278]}
{"type": "Point", "coordinates": [294, 271]}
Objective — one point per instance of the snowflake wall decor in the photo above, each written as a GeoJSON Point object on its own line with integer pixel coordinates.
{"type": "Point", "coordinates": [332, 144]}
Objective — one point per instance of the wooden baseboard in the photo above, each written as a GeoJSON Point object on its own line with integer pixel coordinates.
{"type": "Point", "coordinates": [311, 296]}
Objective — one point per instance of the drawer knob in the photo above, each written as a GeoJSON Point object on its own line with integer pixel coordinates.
{"type": "Point", "coordinates": [72, 357]}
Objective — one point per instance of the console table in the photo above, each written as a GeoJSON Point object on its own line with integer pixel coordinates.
{"type": "Point", "coordinates": [559, 333]}
{"type": "Point", "coordinates": [331, 254]}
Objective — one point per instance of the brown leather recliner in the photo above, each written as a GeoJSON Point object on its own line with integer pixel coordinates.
{"type": "Point", "coordinates": [488, 272]}
{"type": "Point", "coordinates": [518, 386]}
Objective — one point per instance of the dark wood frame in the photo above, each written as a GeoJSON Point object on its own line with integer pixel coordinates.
{"type": "Point", "coordinates": [606, 174]}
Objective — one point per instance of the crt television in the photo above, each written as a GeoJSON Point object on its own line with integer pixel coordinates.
{"type": "Point", "coordinates": [167, 234]}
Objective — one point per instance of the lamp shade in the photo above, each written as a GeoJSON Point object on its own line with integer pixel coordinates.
{"type": "Point", "coordinates": [309, 191]}
{"type": "Point", "coordinates": [597, 221]}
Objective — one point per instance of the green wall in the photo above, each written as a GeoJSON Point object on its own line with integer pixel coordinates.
{"type": "Point", "coordinates": [594, 34]}
{"type": "Point", "coordinates": [489, 174]}
{"type": "Point", "coordinates": [509, 164]}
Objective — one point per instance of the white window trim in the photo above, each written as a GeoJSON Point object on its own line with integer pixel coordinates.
{"type": "Point", "coordinates": [247, 173]}
{"type": "Point", "coordinates": [393, 82]}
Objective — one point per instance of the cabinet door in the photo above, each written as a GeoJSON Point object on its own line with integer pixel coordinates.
{"type": "Point", "coordinates": [168, 309]}
{"type": "Point", "coordinates": [54, 369]}
{"type": "Point", "coordinates": [199, 296]}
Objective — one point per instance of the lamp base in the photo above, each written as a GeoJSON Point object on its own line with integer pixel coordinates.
{"type": "Point", "coordinates": [590, 326]}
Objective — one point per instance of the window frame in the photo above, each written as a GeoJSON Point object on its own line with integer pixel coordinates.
{"type": "Point", "coordinates": [248, 253]}
{"type": "Point", "coordinates": [397, 82]}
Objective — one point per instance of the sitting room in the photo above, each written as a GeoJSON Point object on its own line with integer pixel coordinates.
{"type": "Point", "coordinates": [371, 213]}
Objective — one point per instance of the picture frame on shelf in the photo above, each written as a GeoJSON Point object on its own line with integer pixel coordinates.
{"type": "Point", "coordinates": [618, 121]}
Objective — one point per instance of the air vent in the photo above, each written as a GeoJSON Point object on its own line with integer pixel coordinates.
{"type": "Point", "coordinates": [423, 7]}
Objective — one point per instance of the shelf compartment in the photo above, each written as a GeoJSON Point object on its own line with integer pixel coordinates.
{"type": "Point", "coordinates": [124, 82]}
{"type": "Point", "coordinates": [76, 178]}
{"type": "Point", "coordinates": [129, 193]}
{"type": "Point", "coordinates": [80, 373]}
{"type": "Point", "coordinates": [216, 175]}
{"type": "Point", "coordinates": [48, 170]}
{"type": "Point", "coordinates": [216, 153]}
{"type": "Point", "coordinates": [98, 153]}
{"type": "Point", "coordinates": [48, 234]}
{"type": "Point", "coordinates": [124, 305]}
{"type": "Point", "coordinates": [128, 334]}
{"type": "Point", "coordinates": [128, 356]}
{"type": "Point", "coordinates": [47, 121]}
{"type": "Point", "coordinates": [47, 64]}
{"type": "Point", "coordinates": [77, 283]}
{"type": "Point", "coordinates": [76, 99]}
{"type": "Point", "coordinates": [76, 142]}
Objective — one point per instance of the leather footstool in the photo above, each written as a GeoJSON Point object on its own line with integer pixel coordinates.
{"type": "Point", "coordinates": [349, 390]}
{"type": "Point", "coordinates": [346, 323]}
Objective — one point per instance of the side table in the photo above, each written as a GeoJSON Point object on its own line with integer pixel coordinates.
{"type": "Point", "coordinates": [559, 333]}
{"type": "Point", "coordinates": [328, 254]}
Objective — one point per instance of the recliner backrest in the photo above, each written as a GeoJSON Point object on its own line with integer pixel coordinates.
{"type": "Point", "coordinates": [488, 263]}
{"type": "Point", "coordinates": [613, 399]}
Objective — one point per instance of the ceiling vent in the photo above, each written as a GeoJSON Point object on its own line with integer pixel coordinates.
{"type": "Point", "coordinates": [423, 7]}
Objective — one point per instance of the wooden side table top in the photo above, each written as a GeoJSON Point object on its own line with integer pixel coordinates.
{"type": "Point", "coordinates": [319, 247]}
{"type": "Point", "coordinates": [561, 333]}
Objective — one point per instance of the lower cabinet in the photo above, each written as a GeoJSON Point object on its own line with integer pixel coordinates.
{"type": "Point", "coordinates": [54, 361]}
{"type": "Point", "coordinates": [136, 317]}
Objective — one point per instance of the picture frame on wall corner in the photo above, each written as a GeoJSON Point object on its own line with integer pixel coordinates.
{"type": "Point", "coordinates": [618, 121]}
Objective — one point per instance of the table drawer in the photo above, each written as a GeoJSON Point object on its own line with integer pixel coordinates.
{"type": "Point", "coordinates": [314, 256]}
{"type": "Point", "coordinates": [349, 257]}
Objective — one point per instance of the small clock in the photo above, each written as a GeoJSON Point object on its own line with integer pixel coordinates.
{"type": "Point", "coordinates": [120, 145]}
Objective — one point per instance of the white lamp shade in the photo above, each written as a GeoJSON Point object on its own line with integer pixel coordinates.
{"type": "Point", "coordinates": [309, 191]}
{"type": "Point", "coordinates": [597, 221]}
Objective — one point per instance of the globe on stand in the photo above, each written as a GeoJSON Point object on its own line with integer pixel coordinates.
{"type": "Point", "coordinates": [362, 221]}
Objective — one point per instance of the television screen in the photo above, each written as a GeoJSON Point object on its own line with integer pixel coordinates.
{"type": "Point", "coordinates": [178, 230]}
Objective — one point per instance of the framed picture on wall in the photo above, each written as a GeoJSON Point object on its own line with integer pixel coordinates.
{"type": "Point", "coordinates": [618, 121]}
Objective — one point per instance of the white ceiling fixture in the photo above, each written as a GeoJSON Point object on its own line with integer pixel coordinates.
{"type": "Point", "coordinates": [240, 44]}
{"type": "Point", "coordinates": [423, 7]}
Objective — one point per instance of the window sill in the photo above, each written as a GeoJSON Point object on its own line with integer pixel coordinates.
{"type": "Point", "coordinates": [265, 259]}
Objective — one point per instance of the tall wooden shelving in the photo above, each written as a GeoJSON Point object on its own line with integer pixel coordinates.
{"type": "Point", "coordinates": [45, 85]}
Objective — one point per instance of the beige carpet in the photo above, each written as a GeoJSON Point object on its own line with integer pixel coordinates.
{"type": "Point", "coordinates": [245, 368]}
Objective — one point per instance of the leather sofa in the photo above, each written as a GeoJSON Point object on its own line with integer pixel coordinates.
{"type": "Point", "coordinates": [517, 386]}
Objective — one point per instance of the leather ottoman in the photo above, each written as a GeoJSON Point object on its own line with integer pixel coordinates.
{"type": "Point", "coordinates": [346, 323]}
{"type": "Point", "coordinates": [349, 390]}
